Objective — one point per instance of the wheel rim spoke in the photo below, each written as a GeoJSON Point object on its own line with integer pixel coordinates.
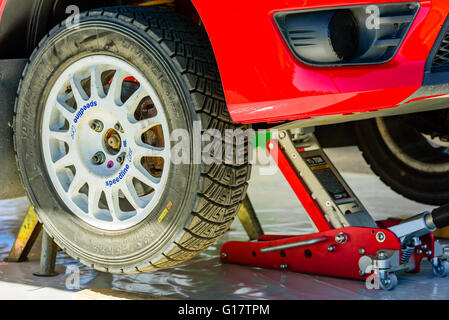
{"type": "Point", "coordinates": [145, 125]}
{"type": "Point", "coordinates": [64, 110]}
{"type": "Point", "coordinates": [96, 86]}
{"type": "Point", "coordinates": [141, 174]}
{"type": "Point", "coordinates": [130, 193]}
{"type": "Point", "coordinates": [93, 199]}
{"type": "Point", "coordinates": [65, 161]}
{"type": "Point", "coordinates": [132, 102]}
{"type": "Point", "coordinates": [112, 199]}
{"type": "Point", "coordinates": [79, 94]}
{"type": "Point", "coordinates": [114, 93]}
{"type": "Point", "coordinates": [149, 151]}
{"type": "Point", "coordinates": [61, 136]}
{"type": "Point", "coordinates": [76, 185]}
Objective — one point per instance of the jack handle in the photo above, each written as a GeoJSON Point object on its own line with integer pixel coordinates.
{"type": "Point", "coordinates": [440, 216]}
{"type": "Point", "coordinates": [422, 224]}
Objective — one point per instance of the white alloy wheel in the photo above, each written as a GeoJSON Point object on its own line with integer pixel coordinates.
{"type": "Point", "coordinates": [108, 166]}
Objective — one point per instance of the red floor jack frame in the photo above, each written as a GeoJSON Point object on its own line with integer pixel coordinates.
{"type": "Point", "coordinates": [347, 243]}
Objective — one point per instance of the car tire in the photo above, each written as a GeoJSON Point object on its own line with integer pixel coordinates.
{"type": "Point", "coordinates": [404, 159]}
{"type": "Point", "coordinates": [198, 201]}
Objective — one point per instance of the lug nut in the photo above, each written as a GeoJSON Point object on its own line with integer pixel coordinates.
{"type": "Point", "coordinates": [97, 125]}
{"type": "Point", "coordinates": [118, 127]}
{"type": "Point", "coordinates": [332, 248]}
{"type": "Point", "coordinates": [121, 158]}
{"type": "Point", "coordinates": [362, 251]}
{"type": "Point", "coordinates": [98, 158]}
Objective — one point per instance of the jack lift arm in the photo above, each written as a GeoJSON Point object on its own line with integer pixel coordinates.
{"type": "Point", "coordinates": [347, 243]}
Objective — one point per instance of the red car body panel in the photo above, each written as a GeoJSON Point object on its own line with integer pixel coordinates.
{"type": "Point", "coordinates": [2, 6]}
{"type": "Point", "coordinates": [264, 81]}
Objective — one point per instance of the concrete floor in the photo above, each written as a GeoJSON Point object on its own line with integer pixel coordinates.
{"type": "Point", "coordinates": [206, 278]}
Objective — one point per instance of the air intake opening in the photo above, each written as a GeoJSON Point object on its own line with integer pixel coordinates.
{"type": "Point", "coordinates": [343, 36]}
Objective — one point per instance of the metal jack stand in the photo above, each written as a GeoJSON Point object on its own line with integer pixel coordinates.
{"type": "Point", "coordinates": [248, 219]}
{"type": "Point", "coordinates": [347, 243]}
{"type": "Point", "coordinates": [28, 233]}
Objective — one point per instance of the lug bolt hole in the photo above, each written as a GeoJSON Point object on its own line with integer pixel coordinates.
{"type": "Point", "coordinates": [97, 125]}
{"type": "Point", "coordinates": [121, 158]}
{"type": "Point", "coordinates": [118, 127]}
{"type": "Point", "coordinates": [99, 158]}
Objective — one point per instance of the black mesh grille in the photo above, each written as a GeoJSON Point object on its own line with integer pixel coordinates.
{"type": "Point", "coordinates": [441, 61]}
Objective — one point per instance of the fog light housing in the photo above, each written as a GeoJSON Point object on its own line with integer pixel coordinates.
{"type": "Point", "coordinates": [344, 36]}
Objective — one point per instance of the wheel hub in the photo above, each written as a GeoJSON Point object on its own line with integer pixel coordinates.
{"type": "Point", "coordinates": [99, 144]}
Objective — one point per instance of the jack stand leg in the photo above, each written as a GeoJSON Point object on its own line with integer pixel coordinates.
{"type": "Point", "coordinates": [26, 237]}
{"type": "Point", "coordinates": [48, 257]}
{"type": "Point", "coordinates": [249, 220]}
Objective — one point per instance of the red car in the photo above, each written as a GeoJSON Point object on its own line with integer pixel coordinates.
{"type": "Point", "coordinates": [107, 101]}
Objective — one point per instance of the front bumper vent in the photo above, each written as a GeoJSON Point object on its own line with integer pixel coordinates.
{"type": "Point", "coordinates": [340, 36]}
{"type": "Point", "coordinates": [440, 62]}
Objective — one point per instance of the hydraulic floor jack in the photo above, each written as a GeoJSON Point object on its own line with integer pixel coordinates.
{"type": "Point", "coordinates": [347, 243]}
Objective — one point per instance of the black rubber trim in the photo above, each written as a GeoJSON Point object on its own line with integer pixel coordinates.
{"type": "Point", "coordinates": [435, 78]}
{"type": "Point", "coordinates": [440, 216]}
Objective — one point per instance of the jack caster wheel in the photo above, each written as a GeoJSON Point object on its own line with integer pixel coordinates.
{"type": "Point", "coordinates": [389, 283]}
{"type": "Point", "coordinates": [441, 270]}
